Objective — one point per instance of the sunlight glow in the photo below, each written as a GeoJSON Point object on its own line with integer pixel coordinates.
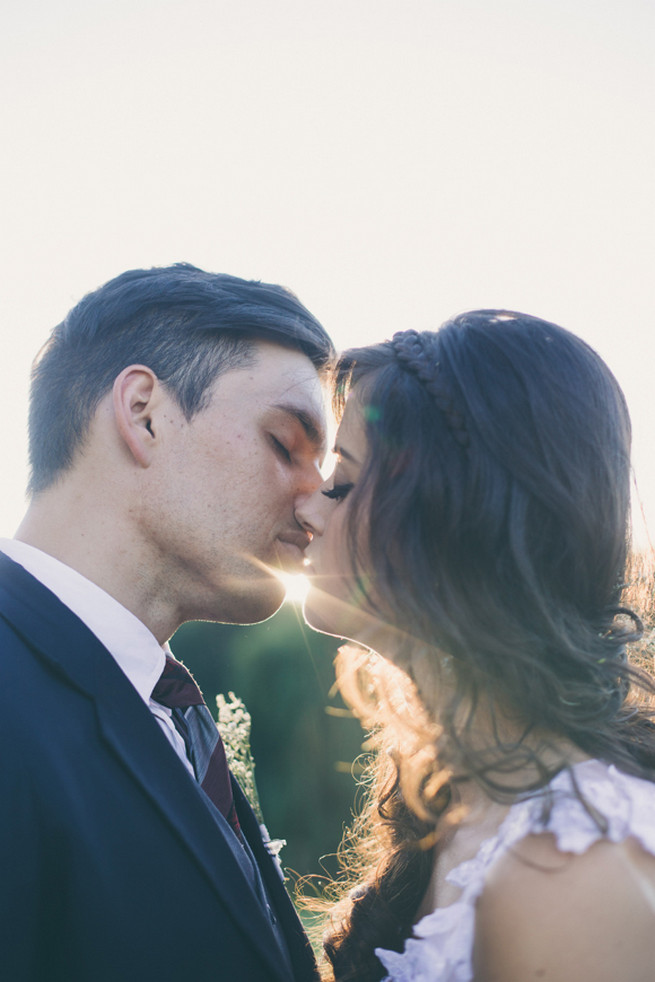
{"type": "Point", "coordinates": [447, 143]}
{"type": "Point", "coordinates": [296, 587]}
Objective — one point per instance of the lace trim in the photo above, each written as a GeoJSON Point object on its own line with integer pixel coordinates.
{"type": "Point", "coordinates": [442, 945]}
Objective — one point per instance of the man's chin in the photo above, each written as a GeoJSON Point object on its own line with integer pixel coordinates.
{"type": "Point", "coordinates": [259, 603]}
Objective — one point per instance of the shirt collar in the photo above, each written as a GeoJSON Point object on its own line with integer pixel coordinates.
{"type": "Point", "coordinates": [134, 648]}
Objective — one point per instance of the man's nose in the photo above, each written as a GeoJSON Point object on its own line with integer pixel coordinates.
{"type": "Point", "coordinates": [309, 511]}
{"type": "Point", "coordinates": [310, 478]}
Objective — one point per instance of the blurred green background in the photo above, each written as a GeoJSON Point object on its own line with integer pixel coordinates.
{"type": "Point", "coordinates": [302, 742]}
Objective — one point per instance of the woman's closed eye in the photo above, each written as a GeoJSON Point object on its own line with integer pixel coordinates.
{"type": "Point", "coordinates": [338, 492]}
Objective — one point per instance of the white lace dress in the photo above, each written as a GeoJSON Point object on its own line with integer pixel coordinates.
{"type": "Point", "coordinates": [442, 944]}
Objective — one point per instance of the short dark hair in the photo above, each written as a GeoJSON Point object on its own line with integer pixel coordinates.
{"type": "Point", "coordinates": [186, 324]}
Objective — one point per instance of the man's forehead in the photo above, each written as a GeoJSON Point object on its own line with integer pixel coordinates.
{"type": "Point", "coordinates": [278, 380]}
{"type": "Point", "coordinates": [293, 386]}
{"type": "Point", "coordinates": [280, 370]}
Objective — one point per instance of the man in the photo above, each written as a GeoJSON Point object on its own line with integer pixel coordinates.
{"type": "Point", "coordinates": [176, 420]}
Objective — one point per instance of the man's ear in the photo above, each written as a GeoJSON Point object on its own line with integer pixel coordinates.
{"type": "Point", "coordinates": [135, 395]}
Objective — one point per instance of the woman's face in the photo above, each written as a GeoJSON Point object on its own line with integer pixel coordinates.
{"type": "Point", "coordinates": [334, 603]}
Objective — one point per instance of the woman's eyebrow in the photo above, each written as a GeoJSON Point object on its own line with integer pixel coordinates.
{"type": "Point", "coordinates": [341, 452]}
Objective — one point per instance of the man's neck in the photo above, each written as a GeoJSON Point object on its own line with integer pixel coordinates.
{"type": "Point", "coordinates": [96, 543]}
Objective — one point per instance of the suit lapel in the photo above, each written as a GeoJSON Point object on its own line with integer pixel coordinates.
{"type": "Point", "coordinates": [129, 731]}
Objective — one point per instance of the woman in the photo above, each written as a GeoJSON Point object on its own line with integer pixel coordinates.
{"type": "Point", "coordinates": [475, 534]}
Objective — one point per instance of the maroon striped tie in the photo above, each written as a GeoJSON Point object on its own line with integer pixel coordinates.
{"type": "Point", "coordinates": [177, 689]}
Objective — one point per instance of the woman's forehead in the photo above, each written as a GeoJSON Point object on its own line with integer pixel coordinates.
{"type": "Point", "coordinates": [351, 440]}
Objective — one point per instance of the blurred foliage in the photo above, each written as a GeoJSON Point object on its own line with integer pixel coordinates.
{"type": "Point", "coordinates": [640, 596]}
{"type": "Point", "coordinates": [302, 741]}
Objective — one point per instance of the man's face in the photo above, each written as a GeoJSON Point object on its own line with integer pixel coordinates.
{"type": "Point", "coordinates": [222, 498]}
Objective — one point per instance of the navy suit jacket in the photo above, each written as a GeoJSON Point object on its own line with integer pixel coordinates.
{"type": "Point", "coordinates": [112, 866]}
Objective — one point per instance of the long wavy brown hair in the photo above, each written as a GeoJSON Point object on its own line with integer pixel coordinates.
{"type": "Point", "coordinates": [496, 493]}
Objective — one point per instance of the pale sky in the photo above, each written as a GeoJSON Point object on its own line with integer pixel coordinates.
{"type": "Point", "coordinates": [391, 162]}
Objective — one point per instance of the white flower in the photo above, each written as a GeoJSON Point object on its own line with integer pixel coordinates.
{"type": "Point", "coordinates": [234, 726]}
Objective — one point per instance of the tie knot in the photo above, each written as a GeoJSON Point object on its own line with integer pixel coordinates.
{"type": "Point", "coordinates": [176, 687]}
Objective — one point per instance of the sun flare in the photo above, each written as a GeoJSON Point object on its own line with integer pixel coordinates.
{"type": "Point", "coordinates": [296, 587]}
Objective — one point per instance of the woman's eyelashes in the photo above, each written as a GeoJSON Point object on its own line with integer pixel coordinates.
{"type": "Point", "coordinates": [339, 491]}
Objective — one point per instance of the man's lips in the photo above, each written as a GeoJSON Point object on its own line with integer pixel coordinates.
{"type": "Point", "coordinates": [300, 539]}
{"type": "Point", "coordinates": [292, 545]}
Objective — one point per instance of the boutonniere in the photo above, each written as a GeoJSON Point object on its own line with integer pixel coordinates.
{"type": "Point", "coordinates": [234, 726]}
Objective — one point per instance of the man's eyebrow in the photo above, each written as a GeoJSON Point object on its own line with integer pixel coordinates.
{"type": "Point", "coordinates": [313, 427]}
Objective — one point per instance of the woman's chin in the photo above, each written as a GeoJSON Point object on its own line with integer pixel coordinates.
{"type": "Point", "coordinates": [318, 618]}
{"type": "Point", "coordinates": [332, 615]}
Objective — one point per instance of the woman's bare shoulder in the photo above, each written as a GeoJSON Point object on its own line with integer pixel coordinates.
{"type": "Point", "coordinates": [561, 917]}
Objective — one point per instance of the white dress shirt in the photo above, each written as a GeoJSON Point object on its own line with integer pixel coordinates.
{"type": "Point", "coordinates": [134, 648]}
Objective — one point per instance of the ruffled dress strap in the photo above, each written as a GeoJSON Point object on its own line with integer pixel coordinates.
{"type": "Point", "coordinates": [441, 947]}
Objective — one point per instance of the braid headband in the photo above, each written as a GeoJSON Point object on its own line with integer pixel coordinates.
{"type": "Point", "coordinates": [412, 351]}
